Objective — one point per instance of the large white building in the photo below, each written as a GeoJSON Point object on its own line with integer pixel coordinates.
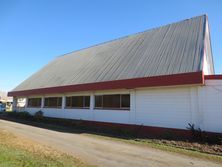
{"type": "Point", "coordinates": [163, 77]}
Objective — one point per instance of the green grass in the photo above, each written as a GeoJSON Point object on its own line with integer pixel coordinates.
{"type": "Point", "coordinates": [19, 152]}
{"type": "Point", "coordinates": [11, 157]}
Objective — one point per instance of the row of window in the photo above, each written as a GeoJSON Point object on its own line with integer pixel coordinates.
{"type": "Point", "coordinates": [77, 102]}
{"type": "Point", "coordinates": [112, 101]}
{"type": "Point", "coordinates": [116, 101]}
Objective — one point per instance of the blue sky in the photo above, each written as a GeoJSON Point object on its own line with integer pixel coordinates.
{"type": "Point", "coordinates": [34, 32]}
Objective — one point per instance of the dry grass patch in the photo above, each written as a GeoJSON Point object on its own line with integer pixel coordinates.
{"type": "Point", "coordinates": [16, 151]}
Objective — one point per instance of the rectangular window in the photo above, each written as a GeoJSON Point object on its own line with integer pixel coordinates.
{"type": "Point", "coordinates": [78, 102]}
{"type": "Point", "coordinates": [68, 102]}
{"type": "Point", "coordinates": [53, 102]}
{"type": "Point", "coordinates": [34, 102]}
{"type": "Point", "coordinates": [116, 101]}
{"type": "Point", "coordinates": [111, 101]}
{"type": "Point", "coordinates": [87, 101]}
{"type": "Point", "coordinates": [98, 101]}
{"type": "Point", "coordinates": [125, 101]}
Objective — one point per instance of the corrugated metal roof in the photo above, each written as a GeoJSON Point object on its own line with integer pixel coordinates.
{"type": "Point", "coordinates": [171, 49]}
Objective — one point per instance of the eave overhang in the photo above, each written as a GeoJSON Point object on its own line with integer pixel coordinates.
{"type": "Point", "coordinates": [155, 81]}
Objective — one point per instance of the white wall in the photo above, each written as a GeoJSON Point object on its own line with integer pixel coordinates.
{"type": "Point", "coordinates": [165, 107]}
{"type": "Point", "coordinates": [212, 105]}
{"type": "Point", "coordinates": [176, 107]}
{"type": "Point", "coordinates": [172, 107]}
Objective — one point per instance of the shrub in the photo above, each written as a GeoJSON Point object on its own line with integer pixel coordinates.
{"type": "Point", "coordinates": [214, 139]}
{"type": "Point", "coordinates": [168, 134]}
{"type": "Point", "coordinates": [20, 115]}
{"type": "Point", "coordinates": [39, 114]}
{"type": "Point", "coordinates": [202, 136]}
{"type": "Point", "coordinates": [24, 115]}
{"type": "Point", "coordinates": [11, 114]}
{"type": "Point", "coordinates": [197, 133]}
{"type": "Point", "coordinates": [124, 132]}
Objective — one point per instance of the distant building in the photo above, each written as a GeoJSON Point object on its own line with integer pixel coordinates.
{"type": "Point", "coordinates": [4, 97]}
{"type": "Point", "coordinates": [5, 102]}
{"type": "Point", "coordinates": [163, 77]}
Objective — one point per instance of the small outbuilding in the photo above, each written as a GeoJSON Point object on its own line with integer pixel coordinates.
{"type": "Point", "coordinates": [162, 78]}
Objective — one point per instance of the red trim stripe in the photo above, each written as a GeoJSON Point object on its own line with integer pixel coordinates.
{"type": "Point", "coordinates": [216, 77]}
{"type": "Point", "coordinates": [165, 80]}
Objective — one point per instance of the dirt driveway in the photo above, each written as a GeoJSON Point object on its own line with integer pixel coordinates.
{"type": "Point", "coordinates": [103, 152]}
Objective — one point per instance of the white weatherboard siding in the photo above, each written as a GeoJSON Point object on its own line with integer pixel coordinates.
{"type": "Point", "coordinates": [171, 107]}
{"type": "Point", "coordinates": [166, 107]}
{"type": "Point", "coordinates": [176, 107]}
{"type": "Point", "coordinates": [212, 105]}
{"type": "Point", "coordinates": [117, 116]}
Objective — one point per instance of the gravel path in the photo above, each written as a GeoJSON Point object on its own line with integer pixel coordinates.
{"type": "Point", "coordinates": [103, 152]}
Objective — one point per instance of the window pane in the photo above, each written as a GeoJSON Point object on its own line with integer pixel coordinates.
{"type": "Point", "coordinates": [53, 102]}
{"type": "Point", "coordinates": [87, 101]}
{"type": "Point", "coordinates": [77, 101]}
{"type": "Point", "coordinates": [68, 101]}
{"type": "Point", "coordinates": [34, 102]}
{"type": "Point", "coordinates": [29, 102]}
{"type": "Point", "coordinates": [46, 102]}
{"type": "Point", "coordinates": [125, 101]}
{"type": "Point", "coordinates": [59, 103]}
{"type": "Point", "coordinates": [38, 102]}
{"type": "Point", "coordinates": [111, 101]}
{"type": "Point", "coordinates": [98, 101]}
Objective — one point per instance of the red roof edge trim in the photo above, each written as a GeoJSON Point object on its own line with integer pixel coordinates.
{"type": "Point", "coordinates": [165, 80]}
{"type": "Point", "coordinates": [216, 77]}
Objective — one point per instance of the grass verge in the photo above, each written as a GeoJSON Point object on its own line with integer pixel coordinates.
{"type": "Point", "coordinates": [19, 152]}
{"type": "Point", "coordinates": [151, 143]}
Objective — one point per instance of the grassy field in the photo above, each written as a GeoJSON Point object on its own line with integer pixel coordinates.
{"type": "Point", "coordinates": [19, 152]}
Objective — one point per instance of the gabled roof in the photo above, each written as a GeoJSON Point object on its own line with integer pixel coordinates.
{"type": "Point", "coordinates": [169, 50]}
